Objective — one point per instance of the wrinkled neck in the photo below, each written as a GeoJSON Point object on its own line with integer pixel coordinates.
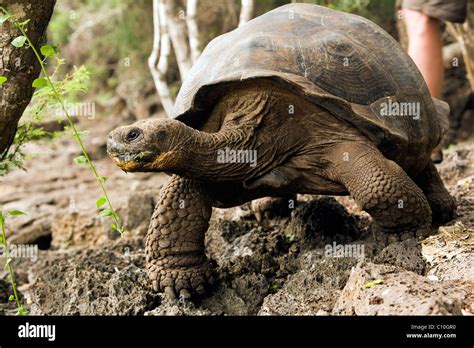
{"type": "Point", "coordinates": [222, 156]}
{"type": "Point", "coordinates": [231, 153]}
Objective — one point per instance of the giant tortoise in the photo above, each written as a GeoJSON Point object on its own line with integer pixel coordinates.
{"type": "Point", "coordinates": [302, 99]}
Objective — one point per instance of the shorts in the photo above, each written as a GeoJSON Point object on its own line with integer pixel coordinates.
{"type": "Point", "coordinates": [446, 10]}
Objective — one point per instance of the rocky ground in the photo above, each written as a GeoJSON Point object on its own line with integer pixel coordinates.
{"type": "Point", "coordinates": [277, 267]}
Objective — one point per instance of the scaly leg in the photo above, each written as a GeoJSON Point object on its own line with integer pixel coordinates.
{"type": "Point", "coordinates": [175, 258]}
{"type": "Point", "coordinates": [267, 207]}
{"type": "Point", "coordinates": [441, 202]}
{"type": "Point", "coordinates": [383, 189]}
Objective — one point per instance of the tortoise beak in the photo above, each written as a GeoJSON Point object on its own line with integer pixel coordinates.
{"type": "Point", "coordinates": [126, 159]}
{"type": "Point", "coordinates": [114, 147]}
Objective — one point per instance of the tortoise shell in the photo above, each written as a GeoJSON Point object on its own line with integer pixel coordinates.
{"type": "Point", "coordinates": [342, 62]}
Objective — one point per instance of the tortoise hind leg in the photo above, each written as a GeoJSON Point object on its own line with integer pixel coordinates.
{"type": "Point", "coordinates": [175, 258]}
{"type": "Point", "coordinates": [383, 189]}
{"type": "Point", "coordinates": [441, 202]}
{"type": "Point", "coordinates": [268, 207]}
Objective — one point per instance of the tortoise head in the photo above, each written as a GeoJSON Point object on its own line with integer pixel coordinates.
{"type": "Point", "coordinates": [147, 146]}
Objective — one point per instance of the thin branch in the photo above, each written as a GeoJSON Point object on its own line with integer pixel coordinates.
{"type": "Point", "coordinates": [246, 11]}
{"type": "Point", "coordinates": [178, 34]}
{"type": "Point", "coordinates": [158, 62]}
{"type": "Point", "coordinates": [193, 32]}
{"type": "Point", "coordinates": [463, 34]}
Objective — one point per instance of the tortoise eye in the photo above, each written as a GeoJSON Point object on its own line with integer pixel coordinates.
{"type": "Point", "coordinates": [133, 135]}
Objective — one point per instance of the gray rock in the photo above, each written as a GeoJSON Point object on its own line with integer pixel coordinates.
{"type": "Point", "coordinates": [78, 229]}
{"type": "Point", "coordinates": [313, 290]}
{"type": "Point", "coordinates": [460, 267]}
{"type": "Point", "coordinates": [128, 291]}
{"type": "Point", "coordinates": [406, 254]}
{"type": "Point", "coordinates": [322, 221]}
{"type": "Point", "coordinates": [400, 293]}
{"type": "Point", "coordinates": [91, 282]}
{"type": "Point", "coordinates": [225, 300]}
{"type": "Point", "coordinates": [139, 208]}
{"type": "Point", "coordinates": [177, 308]}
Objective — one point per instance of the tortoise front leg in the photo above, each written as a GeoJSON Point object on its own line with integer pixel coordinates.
{"type": "Point", "coordinates": [175, 258]}
{"type": "Point", "coordinates": [383, 189]}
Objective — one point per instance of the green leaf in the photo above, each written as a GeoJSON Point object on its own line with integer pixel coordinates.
{"type": "Point", "coordinates": [7, 263]}
{"type": "Point", "coordinates": [16, 212]}
{"type": "Point", "coordinates": [80, 159]}
{"type": "Point", "coordinates": [106, 212]}
{"type": "Point", "coordinates": [3, 79]}
{"type": "Point", "coordinates": [40, 82]}
{"type": "Point", "coordinates": [22, 311]}
{"type": "Point", "coordinates": [369, 285]}
{"type": "Point", "coordinates": [104, 179]}
{"type": "Point", "coordinates": [11, 298]}
{"type": "Point", "coordinates": [100, 202]}
{"type": "Point", "coordinates": [47, 50]}
{"type": "Point", "coordinates": [3, 18]}
{"type": "Point", "coordinates": [120, 229]}
{"type": "Point", "coordinates": [373, 283]}
{"type": "Point", "coordinates": [83, 133]}
{"type": "Point", "coordinates": [25, 22]}
{"type": "Point", "coordinates": [19, 41]}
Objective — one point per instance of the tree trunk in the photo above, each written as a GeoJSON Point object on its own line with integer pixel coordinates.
{"type": "Point", "coordinates": [19, 65]}
{"type": "Point", "coordinates": [158, 62]}
{"type": "Point", "coordinates": [246, 11]}
{"type": "Point", "coordinates": [193, 32]}
{"type": "Point", "coordinates": [178, 32]}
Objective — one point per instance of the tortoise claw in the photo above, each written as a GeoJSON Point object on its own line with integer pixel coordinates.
{"type": "Point", "coordinates": [155, 286]}
{"type": "Point", "coordinates": [183, 282]}
{"type": "Point", "coordinates": [201, 290]}
{"type": "Point", "coordinates": [184, 294]}
{"type": "Point", "coordinates": [169, 292]}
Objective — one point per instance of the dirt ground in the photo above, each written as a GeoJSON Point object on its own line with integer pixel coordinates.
{"type": "Point", "coordinates": [277, 267]}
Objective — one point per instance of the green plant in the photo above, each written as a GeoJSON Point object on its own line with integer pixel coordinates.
{"type": "Point", "coordinates": [105, 36]}
{"type": "Point", "coordinates": [380, 12]}
{"type": "Point", "coordinates": [290, 237]}
{"type": "Point", "coordinates": [8, 261]}
{"type": "Point", "coordinates": [39, 109]}
{"type": "Point", "coordinates": [48, 51]}
{"type": "Point", "coordinates": [344, 5]}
